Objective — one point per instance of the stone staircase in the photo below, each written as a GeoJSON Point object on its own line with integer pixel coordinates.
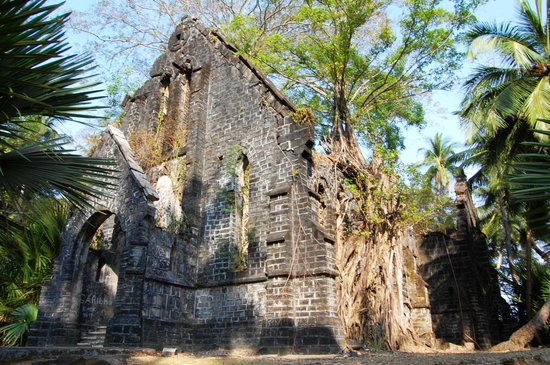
{"type": "Point", "coordinates": [93, 337]}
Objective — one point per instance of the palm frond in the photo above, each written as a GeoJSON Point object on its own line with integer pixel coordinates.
{"type": "Point", "coordinates": [531, 182]}
{"type": "Point", "coordinates": [531, 24]}
{"type": "Point", "coordinates": [510, 41]}
{"type": "Point", "coordinates": [22, 318]}
{"type": "Point", "coordinates": [48, 168]}
{"type": "Point", "coordinates": [36, 77]}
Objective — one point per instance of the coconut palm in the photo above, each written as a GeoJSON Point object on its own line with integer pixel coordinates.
{"type": "Point", "coordinates": [440, 159]}
{"type": "Point", "coordinates": [519, 87]}
{"type": "Point", "coordinates": [531, 183]}
{"type": "Point", "coordinates": [502, 103]}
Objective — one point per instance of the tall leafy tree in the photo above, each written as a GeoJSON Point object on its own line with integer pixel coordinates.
{"type": "Point", "coordinates": [358, 65]}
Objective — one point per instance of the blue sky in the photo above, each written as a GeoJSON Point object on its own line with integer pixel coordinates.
{"type": "Point", "coordinates": [439, 105]}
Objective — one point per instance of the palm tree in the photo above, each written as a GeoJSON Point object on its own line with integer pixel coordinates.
{"type": "Point", "coordinates": [531, 183]}
{"type": "Point", "coordinates": [440, 159]}
{"type": "Point", "coordinates": [502, 105]}
{"type": "Point", "coordinates": [37, 78]}
{"type": "Point", "coordinates": [519, 87]}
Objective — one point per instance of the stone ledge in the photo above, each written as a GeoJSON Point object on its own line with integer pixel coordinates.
{"type": "Point", "coordinates": [281, 190]}
{"type": "Point", "coordinates": [210, 284]}
{"type": "Point", "coordinates": [25, 353]}
{"type": "Point", "coordinates": [309, 273]}
{"type": "Point", "coordinates": [277, 237]}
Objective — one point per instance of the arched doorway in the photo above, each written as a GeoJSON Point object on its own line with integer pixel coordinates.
{"type": "Point", "coordinates": [104, 239]}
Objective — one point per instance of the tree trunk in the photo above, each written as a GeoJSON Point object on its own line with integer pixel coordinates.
{"type": "Point", "coordinates": [343, 142]}
{"type": "Point", "coordinates": [369, 259]}
{"type": "Point", "coordinates": [529, 283]}
{"type": "Point", "coordinates": [505, 221]}
{"type": "Point", "coordinates": [523, 336]}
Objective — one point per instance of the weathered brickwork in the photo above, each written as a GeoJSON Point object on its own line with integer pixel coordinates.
{"type": "Point", "coordinates": [221, 230]}
{"type": "Point", "coordinates": [466, 305]}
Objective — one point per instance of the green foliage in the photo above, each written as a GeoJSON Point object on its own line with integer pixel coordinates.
{"type": "Point", "coordinates": [37, 79]}
{"type": "Point", "coordinates": [356, 64]}
{"type": "Point", "coordinates": [178, 226]}
{"type": "Point", "coordinates": [117, 89]}
{"type": "Point", "coordinates": [46, 168]}
{"type": "Point", "coordinates": [21, 320]}
{"type": "Point", "coordinates": [227, 196]}
{"type": "Point", "coordinates": [27, 255]}
{"type": "Point", "coordinates": [504, 101]}
{"type": "Point", "coordinates": [425, 210]}
{"type": "Point", "coordinates": [541, 284]}
{"type": "Point", "coordinates": [519, 86]}
{"type": "Point", "coordinates": [530, 182]}
{"type": "Point", "coordinates": [232, 160]}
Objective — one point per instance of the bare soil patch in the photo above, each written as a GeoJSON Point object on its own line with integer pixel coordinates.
{"type": "Point", "coordinates": [72, 356]}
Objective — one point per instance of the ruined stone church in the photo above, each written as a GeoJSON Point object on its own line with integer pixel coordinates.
{"type": "Point", "coordinates": [220, 232]}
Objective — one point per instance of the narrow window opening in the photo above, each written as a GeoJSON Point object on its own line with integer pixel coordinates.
{"type": "Point", "coordinates": [174, 259]}
{"type": "Point", "coordinates": [242, 208]}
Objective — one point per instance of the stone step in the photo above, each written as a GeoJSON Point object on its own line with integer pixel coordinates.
{"type": "Point", "coordinates": [86, 344]}
{"type": "Point", "coordinates": [97, 332]}
{"type": "Point", "coordinates": [92, 338]}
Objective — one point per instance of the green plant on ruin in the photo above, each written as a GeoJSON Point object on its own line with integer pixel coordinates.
{"type": "Point", "coordinates": [151, 148]}
{"type": "Point", "coordinates": [240, 258]}
{"type": "Point", "coordinates": [240, 253]}
{"type": "Point", "coordinates": [227, 197]}
{"type": "Point", "coordinates": [179, 225]}
{"type": "Point", "coordinates": [179, 175]}
{"type": "Point", "coordinates": [244, 231]}
{"type": "Point", "coordinates": [304, 116]}
{"type": "Point", "coordinates": [98, 239]}
{"type": "Point", "coordinates": [233, 160]}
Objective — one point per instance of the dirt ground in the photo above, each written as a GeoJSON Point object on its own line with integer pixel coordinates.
{"type": "Point", "coordinates": [149, 357]}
